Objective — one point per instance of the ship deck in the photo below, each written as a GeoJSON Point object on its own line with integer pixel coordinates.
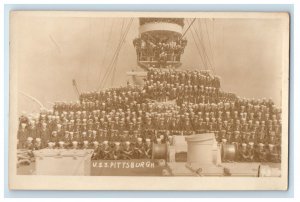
{"type": "Point", "coordinates": [237, 169]}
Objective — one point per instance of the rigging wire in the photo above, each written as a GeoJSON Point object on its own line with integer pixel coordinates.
{"type": "Point", "coordinates": [188, 28]}
{"type": "Point", "coordinates": [107, 69]}
{"type": "Point", "coordinates": [114, 71]}
{"type": "Point", "coordinates": [210, 46]}
{"type": "Point", "coordinates": [89, 56]}
{"type": "Point", "coordinates": [202, 45]}
{"type": "Point", "coordinates": [112, 64]}
{"type": "Point", "coordinates": [115, 57]}
{"type": "Point", "coordinates": [201, 38]}
{"type": "Point", "coordinates": [198, 49]}
{"type": "Point", "coordinates": [106, 48]}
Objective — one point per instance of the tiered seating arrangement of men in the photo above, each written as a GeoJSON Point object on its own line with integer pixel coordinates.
{"type": "Point", "coordinates": [123, 123]}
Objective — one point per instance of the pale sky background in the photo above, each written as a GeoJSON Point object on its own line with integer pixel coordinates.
{"type": "Point", "coordinates": [245, 53]}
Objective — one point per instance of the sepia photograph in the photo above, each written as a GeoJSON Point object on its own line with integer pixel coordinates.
{"type": "Point", "coordinates": [148, 100]}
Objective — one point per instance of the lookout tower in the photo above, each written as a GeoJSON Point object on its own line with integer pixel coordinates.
{"type": "Point", "coordinates": [160, 43]}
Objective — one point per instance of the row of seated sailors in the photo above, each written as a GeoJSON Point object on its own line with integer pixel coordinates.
{"type": "Point", "coordinates": [199, 99]}
{"type": "Point", "coordinates": [259, 136]}
{"type": "Point", "coordinates": [264, 114]}
{"type": "Point", "coordinates": [134, 93]}
{"type": "Point", "coordinates": [90, 136]}
{"type": "Point", "coordinates": [246, 137]}
{"type": "Point", "coordinates": [109, 150]}
{"type": "Point", "coordinates": [127, 91]}
{"type": "Point", "coordinates": [252, 152]}
{"type": "Point", "coordinates": [172, 114]}
{"type": "Point", "coordinates": [138, 145]}
{"type": "Point", "coordinates": [163, 135]}
{"type": "Point", "coordinates": [102, 150]}
{"type": "Point", "coordinates": [92, 100]}
{"type": "Point", "coordinates": [174, 93]}
{"type": "Point", "coordinates": [178, 89]}
{"type": "Point", "coordinates": [183, 77]}
{"type": "Point", "coordinates": [219, 109]}
{"type": "Point", "coordinates": [86, 108]}
{"type": "Point", "coordinates": [154, 123]}
{"type": "Point", "coordinates": [204, 111]}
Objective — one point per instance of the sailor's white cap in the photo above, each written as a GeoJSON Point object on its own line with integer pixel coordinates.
{"type": "Point", "coordinates": [96, 143]}
{"type": "Point", "coordinates": [139, 139]}
{"type": "Point", "coordinates": [74, 142]}
{"type": "Point", "coordinates": [105, 142]}
{"type": "Point", "coordinates": [261, 144]}
{"type": "Point", "coordinates": [85, 142]}
{"type": "Point", "coordinates": [244, 144]}
{"type": "Point", "coordinates": [127, 143]}
{"type": "Point", "coordinates": [117, 143]}
{"type": "Point", "coordinates": [29, 138]}
{"type": "Point", "coordinates": [224, 140]}
{"type": "Point", "coordinates": [251, 143]}
{"type": "Point", "coordinates": [147, 140]}
{"type": "Point", "coordinates": [38, 139]}
{"type": "Point", "coordinates": [61, 143]}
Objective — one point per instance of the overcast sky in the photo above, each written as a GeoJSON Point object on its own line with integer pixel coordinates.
{"type": "Point", "coordinates": [245, 53]}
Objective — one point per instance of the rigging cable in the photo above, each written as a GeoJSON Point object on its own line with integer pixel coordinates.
{"type": "Point", "coordinates": [200, 37]}
{"type": "Point", "coordinates": [202, 45]}
{"type": "Point", "coordinates": [114, 70]}
{"type": "Point", "coordinates": [210, 47]}
{"type": "Point", "coordinates": [89, 57]}
{"type": "Point", "coordinates": [112, 64]}
{"type": "Point", "coordinates": [107, 69]}
{"type": "Point", "coordinates": [188, 28]}
{"type": "Point", "coordinates": [106, 48]}
{"type": "Point", "coordinates": [198, 49]}
{"type": "Point", "coordinates": [114, 59]}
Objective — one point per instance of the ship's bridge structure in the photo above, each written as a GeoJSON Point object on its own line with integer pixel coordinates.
{"type": "Point", "coordinates": [160, 43]}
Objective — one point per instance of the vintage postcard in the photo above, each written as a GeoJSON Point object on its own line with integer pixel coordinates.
{"type": "Point", "coordinates": [148, 101]}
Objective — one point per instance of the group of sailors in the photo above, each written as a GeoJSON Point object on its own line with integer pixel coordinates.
{"type": "Point", "coordinates": [185, 86]}
{"type": "Point", "coordinates": [126, 119]}
{"type": "Point", "coordinates": [159, 50]}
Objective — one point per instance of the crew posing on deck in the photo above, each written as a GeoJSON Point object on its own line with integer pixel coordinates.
{"type": "Point", "coordinates": [159, 50]}
{"type": "Point", "coordinates": [122, 123]}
